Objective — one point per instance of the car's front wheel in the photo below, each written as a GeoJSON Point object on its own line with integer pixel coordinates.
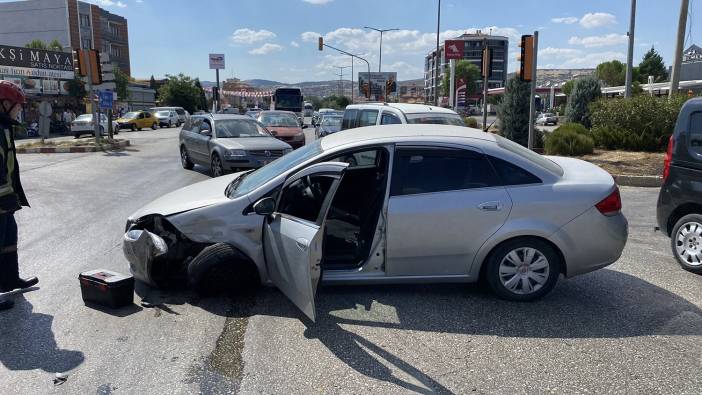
{"type": "Point", "coordinates": [134, 128]}
{"type": "Point", "coordinates": [221, 268]}
{"type": "Point", "coordinates": [185, 158]}
{"type": "Point", "coordinates": [686, 242]}
{"type": "Point", "coordinates": [154, 126]}
{"type": "Point", "coordinates": [523, 269]}
{"type": "Point", "coordinates": [216, 168]}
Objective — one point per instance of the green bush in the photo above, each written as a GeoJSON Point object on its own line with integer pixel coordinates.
{"type": "Point", "coordinates": [585, 91]}
{"type": "Point", "coordinates": [639, 123]}
{"type": "Point", "coordinates": [570, 139]}
{"type": "Point", "coordinates": [470, 122]}
{"type": "Point", "coordinates": [513, 113]}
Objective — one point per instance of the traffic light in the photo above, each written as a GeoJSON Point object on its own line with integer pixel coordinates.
{"type": "Point", "coordinates": [80, 63]}
{"type": "Point", "coordinates": [321, 43]}
{"type": "Point", "coordinates": [215, 93]}
{"type": "Point", "coordinates": [526, 58]}
{"type": "Point", "coordinates": [95, 67]}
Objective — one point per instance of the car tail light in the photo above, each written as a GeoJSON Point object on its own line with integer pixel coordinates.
{"type": "Point", "coordinates": [668, 158]}
{"type": "Point", "coordinates": [612, 204]}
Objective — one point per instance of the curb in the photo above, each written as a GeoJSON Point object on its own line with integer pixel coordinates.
{"type": "Point", "coordinates": [64, 150]}
{"type": "Point", "coordinates": [639, 181]}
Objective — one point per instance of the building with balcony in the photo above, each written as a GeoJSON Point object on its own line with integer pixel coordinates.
{"type": "Point", "coordinates": [74, 24]}
{"type": "Point", "coordinates": [472, 51]}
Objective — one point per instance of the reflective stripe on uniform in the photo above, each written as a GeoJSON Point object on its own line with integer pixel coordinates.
{"type": "Point", "coordinates": [9, 158]}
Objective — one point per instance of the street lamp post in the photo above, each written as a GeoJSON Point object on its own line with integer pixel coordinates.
{"type": "Point", "coordinates": [381, 31]}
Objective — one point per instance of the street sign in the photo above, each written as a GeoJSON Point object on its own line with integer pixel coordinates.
{"type": "Point", "coordinates": [105, 86]}
{"type": "Point", "coordinates": [216, 61]}
{"type": "Point", "coordinates": [108, 68]}
{"type": "Point", "coordinates": [108, 76]}
{"type": "Point", "coordinates": [106, 100]}
{"type": "Point", "coordinates": [454, 49]}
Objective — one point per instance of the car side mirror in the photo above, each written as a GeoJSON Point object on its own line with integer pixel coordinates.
{"type": "Point", "coordinates": [305, 126]}
{"type": "Point", "coordinates": [206, 132]}
{"type": "Point", "coordinates": [265, 206]}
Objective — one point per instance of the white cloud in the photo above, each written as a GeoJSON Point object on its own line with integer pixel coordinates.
{"type": "Point", "coordinates": [248, 36]}
{"type": "Point", "coordinates": [597, 19]}
{"type": "Point", "coordinates": [558, 53]}
{"type": "Point", "coordinates": [265, 49]}
{"type": "Point", "coordinates": [593, 59]}
{"type": "Point", "coordinates": [139, 1]}
{"type": "Point", "coordinates": [404, 68]}
{"type": "Point", "coordinates": [121, 5]}
{"type": "Point", "coordinates": [318, 2]}
{"type": "Point", "coordinates": [568, 20]}
{"type": "Point", "coordinates": [294, 44]}
{"type": "Point", "coordinates": [309, 36]}
{"type": "Point", "coordinates": [599, 41]}
{"type": "Point", "coordinates": [109, 3]}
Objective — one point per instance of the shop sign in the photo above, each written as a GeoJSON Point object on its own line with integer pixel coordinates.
{"type": "Point", "coordinates": [29, 62]}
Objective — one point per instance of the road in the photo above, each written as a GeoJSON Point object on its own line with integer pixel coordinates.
{"type": "Point", "coordinates": [634, 327]}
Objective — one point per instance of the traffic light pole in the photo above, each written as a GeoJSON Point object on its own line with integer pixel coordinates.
{"type": "Point", "coordinates": [532, 94]}
{"type": "Point", "coordinates": [93, 106]}
{"type": "Point", "coordinates": [357, 57]}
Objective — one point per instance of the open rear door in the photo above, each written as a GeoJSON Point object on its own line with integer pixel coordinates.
{"type": "Point", "coordinates": [293, 233]}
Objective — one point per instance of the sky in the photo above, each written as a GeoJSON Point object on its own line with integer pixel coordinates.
{"type": "Point", "coordinates": [277, 39]}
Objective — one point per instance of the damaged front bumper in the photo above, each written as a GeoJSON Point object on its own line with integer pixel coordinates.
{"type": "Point", "coordinates": [142, 248]}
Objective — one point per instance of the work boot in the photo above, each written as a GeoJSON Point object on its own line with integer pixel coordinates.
{"type": "Point", "coordinates": [9, 274]}
{"type": "Point", "coordinates": [24, 283]}
{"type": "Point", "coordinates": [6, 304]}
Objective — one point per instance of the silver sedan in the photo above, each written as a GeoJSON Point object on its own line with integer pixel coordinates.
{"type": "Point", "coordinates": [386, 204]}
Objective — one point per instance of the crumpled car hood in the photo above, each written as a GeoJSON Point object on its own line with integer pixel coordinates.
{"type": "Point", "coordinates": [194, 196]}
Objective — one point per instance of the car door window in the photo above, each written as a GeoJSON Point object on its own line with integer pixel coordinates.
{"type": "Point", "coordinates": [205, 127]}
{"type": "Point", "coordinates": [349, 121]}
{"type": "Point", "coordinates": [696, 132]}
{"type": "Point", "coordinates": [141, 115]}
{"type": "Point", "coordinates": [305, 197]}
{"type": "Point", "coordinates": [195, 126]}
{"type": "Point", "coordinates": [426, 170]}
{"type": "Point", "coordinates": [389, 119]}
{"type": "Point", "coordinates": [512, 174]}
{"type": "Point", "coordinates": [357, 159]}
{"type": "Point", "coordinates": [368, 118]}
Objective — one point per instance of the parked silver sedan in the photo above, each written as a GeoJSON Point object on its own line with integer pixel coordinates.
{"type": "Point", "coordinates": [386, 204]}
{"type": "Point", "coordinates": [225, 143]}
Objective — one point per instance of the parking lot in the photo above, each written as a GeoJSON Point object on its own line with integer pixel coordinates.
{"type": "Point", "coordinates": [634, 327]}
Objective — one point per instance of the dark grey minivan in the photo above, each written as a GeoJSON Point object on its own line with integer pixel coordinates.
{"type": "Point", "coordinates": [227, 143]}
{"type": "Point", "coordinates": [679, 209]}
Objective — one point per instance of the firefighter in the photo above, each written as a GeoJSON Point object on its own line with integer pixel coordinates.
{"type": "Point", "coordinates": [12, 196]}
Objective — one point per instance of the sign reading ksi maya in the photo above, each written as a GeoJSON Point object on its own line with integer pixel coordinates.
{"type": "Point", "coordinates": [30, 62]}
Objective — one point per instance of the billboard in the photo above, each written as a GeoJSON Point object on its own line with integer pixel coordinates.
{"type": "Point", "coordinates": [216, 61]}
{"type": "Point", "coordinates": [453, 49]}
{"type": "Point", "coordinates": [380, 83]}
{"type": "Point", "coordinates": [29, 62]}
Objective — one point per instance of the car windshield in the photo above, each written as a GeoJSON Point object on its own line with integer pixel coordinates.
{"type": "Point", "coordinates": [250, 181]}
{"type": "Point", "coordinates": [281, 120]}
{"type": "Point", "coordinates": [331, 121]}
{"type": "Point", "coordinates": [233, 128]}
{"type": "Point", "coordinates": [131, 115]}
{"type": "Point", "coordinates": [84, 117]}
{"type": "Point", "coordinates": [529, 155]}
{"type": "Point", "coordinates": [163, 114]}
{"type": "Point", "coordinates": [433, 118]}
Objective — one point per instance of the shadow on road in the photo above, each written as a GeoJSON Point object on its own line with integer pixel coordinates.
{"type": "Point", "coordinates": [27, 341]}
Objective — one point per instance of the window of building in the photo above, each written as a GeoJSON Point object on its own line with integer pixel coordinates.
{"type": "Point", "coordinates": [87, 43]}
{"type": "Point", "coordinates": [114, 29]}
{"type": "Point", "coordinates": [84, 20]}
{"type": "Point", "coordinates": [115, 51]}
{"type": "Point", "coordinates": [426, 170]}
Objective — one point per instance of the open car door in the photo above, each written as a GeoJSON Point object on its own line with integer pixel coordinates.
{"type": "Point", "coordinates": [293, 233]}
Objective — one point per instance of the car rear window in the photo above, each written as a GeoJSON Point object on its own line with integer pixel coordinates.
{"type": "Point", "coordinates": [529, 155]}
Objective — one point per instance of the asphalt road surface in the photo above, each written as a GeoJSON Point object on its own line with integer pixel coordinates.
{"type": "Point", "coordinates": [634, 327]}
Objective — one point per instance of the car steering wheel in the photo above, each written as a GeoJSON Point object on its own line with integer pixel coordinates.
{"type": "Point", "coordinates": [315, 190]}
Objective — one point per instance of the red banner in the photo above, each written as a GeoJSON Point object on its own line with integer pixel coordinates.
{"type": "Point", "coordinates": [453, 49]}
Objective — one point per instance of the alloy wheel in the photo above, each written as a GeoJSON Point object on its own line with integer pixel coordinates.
{"type": "Point", "coordinates": [524, 270]}
{"type": "Point", "coordinates": [688, 243]}
{"type": "Point", "coordinates": [184, 157]}
{"type": "Point", "coordinates": [216, 166]}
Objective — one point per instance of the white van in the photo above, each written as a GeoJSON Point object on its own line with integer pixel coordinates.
{"type": "Point", "coordinates": [368, 114]}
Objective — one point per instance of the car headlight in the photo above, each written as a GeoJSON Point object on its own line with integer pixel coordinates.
{"type": "Point", "coordinates": [234, 153]}
{"type": "Point", "coordinates": [287, 151]}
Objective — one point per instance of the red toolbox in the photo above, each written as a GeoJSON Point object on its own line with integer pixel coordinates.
{"type": "Point", "coordinates": [107, 288]}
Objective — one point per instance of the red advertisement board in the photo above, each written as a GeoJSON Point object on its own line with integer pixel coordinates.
{"type": "Point", "coordinates": [454, 49]}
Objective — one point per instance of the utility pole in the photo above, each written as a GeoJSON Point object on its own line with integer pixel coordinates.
{"type": "Point", "coordinates": [677, 56]}
{"type": "Point", "coordinates": [486, 74]}
{"type": "Point", "coordinates": [630, 54]}
{"type": "Point", "coordinates": [341, 79]}
{"type": "Point", "coordinates": [381, 31]}
{"type": "Point", "coordinates": [532, 92]}
{"type": "Point", "coordinates": [352, 80]}
{"type": "Point", "coordinates": [437, 59]}
{"type": "Point", "coordinates": [218, 91]}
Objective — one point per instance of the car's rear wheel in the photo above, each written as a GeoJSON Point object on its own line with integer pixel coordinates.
{"type": "Point", "coordinates": [221, 268]}
{"type": "Point", "coordinates": [185, 158]}
{"type": "Point", "coordinates": [523, 269]}
{"type": "Point", "coordinates": [686, 242]}
{"type": "Point", "coordinates": [134, 128]}
{"type": "Point", "coordinates": [216, 168]}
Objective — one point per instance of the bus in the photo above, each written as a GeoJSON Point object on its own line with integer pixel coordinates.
{"type": "Point", "coordinates": [288, 99]}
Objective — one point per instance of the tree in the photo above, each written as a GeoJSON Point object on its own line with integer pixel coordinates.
{"type": "Point", "coordinates": [585, 91]}
{"type": "Point", "coordinates": [567, 87]}
{"type": "Point", "coordinates": [652, 64]}
{"type": "Point", "coordinates": [121, 82]}
{"type": "Point", "coordinates": [54, 45]}
{"type": "Point", "coordinates": [465, 70]}
{"type": "Point", "coordinates": [180, 90]}
{"type": "Point", "coordinates": [36, 44]}
{"type": "Point", "coordinates": [315, 100]}
{"type": "Point", "coordinates": [76, 88]}
{"type": "Point", "coordinates": [202, 104]}
{"type": "Point", "coordinates": [152, 82]}
{"type": "Point", "coordinates": [612, 73]}
{"type": "Point", "coordinates": [514, 111]}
